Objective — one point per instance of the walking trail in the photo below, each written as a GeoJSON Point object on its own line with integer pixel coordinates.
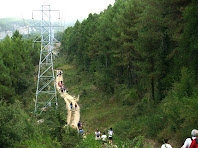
{"type": "Point", "coordinates": [73, 115]}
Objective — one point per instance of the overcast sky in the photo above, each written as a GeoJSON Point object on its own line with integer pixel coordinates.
{"type": "Point", "coordinates": [70, 10]}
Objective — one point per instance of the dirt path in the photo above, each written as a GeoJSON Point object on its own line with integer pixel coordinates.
{"type": "Point", "coordinates": [73, 115]}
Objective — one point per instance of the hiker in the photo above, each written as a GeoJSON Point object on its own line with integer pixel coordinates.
{"type": "Point", "coordinates": [76, 106]}
{"type": "Point", "coordinates": [78, 124]}
{"type": "Point", "coordinates": [194, 143]}
{"type": "Point", "coordinates": [104, 137]}
{"type": "Point", "coordinates": [97, 133]}
{"type": "Point", "coordinates": [188, 141]}
{"type": "Point", "coordinates": [81, 131]}
{"type": "Point", "coordinates": [110, 132]}
{"type": "Point", "coordinates": [71, 105]}
{"type": "Point", "coordinates": [166, 145]}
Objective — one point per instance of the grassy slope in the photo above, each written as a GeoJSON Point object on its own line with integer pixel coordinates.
{"type": "Point", "coordinates": [98, 110]}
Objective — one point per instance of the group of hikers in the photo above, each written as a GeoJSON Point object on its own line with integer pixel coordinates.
{"type": "Point", "coordinates": [60, 83]}
{"type": "Point", "coordinates": [62, 87]}
{"type": "Point", "coordinates": [103, 137]}
{"type": "Point", "coordinates": [71, 105]}
{"type": "Point", "coordinates": [58, 73]}
{"type": "Point", "coordinates": [189, 142]}
{"type": "Point", "coordinates": [98, 135]}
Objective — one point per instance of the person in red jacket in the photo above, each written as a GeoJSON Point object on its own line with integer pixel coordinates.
{"type": "Point", "coordinates": [194, 143]}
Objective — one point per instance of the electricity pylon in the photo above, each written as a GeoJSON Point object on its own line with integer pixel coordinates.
{"type": "Point", "coordinates": [46, 94]}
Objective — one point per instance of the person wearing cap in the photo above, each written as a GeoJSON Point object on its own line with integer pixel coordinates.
{"type": "Point", "coordinates": [188, 141]}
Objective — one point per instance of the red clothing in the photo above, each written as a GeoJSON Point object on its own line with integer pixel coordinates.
{"type": "Point", "coordinates": [194, 143]}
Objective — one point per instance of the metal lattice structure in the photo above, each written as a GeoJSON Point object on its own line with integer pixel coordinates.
{"type": "Point", "coordinates": [46, 94]}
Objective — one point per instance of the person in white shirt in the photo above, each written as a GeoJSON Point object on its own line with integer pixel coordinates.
{"type": "Point", "coordinates": [104, 137]}
{"type": "Point", "coordinates": [188, 141]}
{"type": "Point", "coordinates": [166, 145]}
{"type": "Point", "coordinates": [97, 133]}
{"type": "Point", "coordinates": [110, 132]}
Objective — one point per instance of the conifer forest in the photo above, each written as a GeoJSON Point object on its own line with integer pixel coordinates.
{"type": "Point", "coordinates": [135, 66]}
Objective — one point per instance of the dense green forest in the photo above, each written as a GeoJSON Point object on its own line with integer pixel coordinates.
{"type": "Point", "coordinates": [134, 65]}
{"type": "Point", "coordinates": [144, 53]}
{"type": "Point", "coordinates": [19, 126]}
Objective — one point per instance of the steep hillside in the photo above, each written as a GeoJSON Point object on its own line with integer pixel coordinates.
{"type": "Point", "coordinates": [135, 65]}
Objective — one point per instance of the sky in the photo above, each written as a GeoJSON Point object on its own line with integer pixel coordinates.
{"type": "Point", "coordinates": [70, 10]}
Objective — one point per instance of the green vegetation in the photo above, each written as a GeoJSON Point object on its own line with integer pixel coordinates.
{"type": "Point", "coordinates": [135, 67]}
{"type": "Point", "coordinates": [19, 127]}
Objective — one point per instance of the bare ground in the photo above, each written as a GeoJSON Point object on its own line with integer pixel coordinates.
{"type": "Point", "coordinates": [73, 115]}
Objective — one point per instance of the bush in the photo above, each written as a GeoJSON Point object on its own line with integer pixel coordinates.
{"type": "Point", "coordinates": [15, 125]}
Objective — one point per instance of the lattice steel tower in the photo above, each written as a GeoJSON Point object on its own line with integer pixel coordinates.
{"type": "Point", "coordinates": [46, 94]}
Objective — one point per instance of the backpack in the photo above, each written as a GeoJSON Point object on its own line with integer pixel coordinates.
{"type": "Point", "coordinates": [194, 143]}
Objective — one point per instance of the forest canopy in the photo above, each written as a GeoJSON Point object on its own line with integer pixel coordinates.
{"type": "Point", "coordinates": [147, 51]}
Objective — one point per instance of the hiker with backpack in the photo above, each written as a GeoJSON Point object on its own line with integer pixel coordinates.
{"type": "Point", "coordinates": [188, 141]}
{"type": "Point", "coordinates": [194, 143]}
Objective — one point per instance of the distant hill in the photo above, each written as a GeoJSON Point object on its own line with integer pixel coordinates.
{"type": "Point", "coordinates": [25, 26]}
